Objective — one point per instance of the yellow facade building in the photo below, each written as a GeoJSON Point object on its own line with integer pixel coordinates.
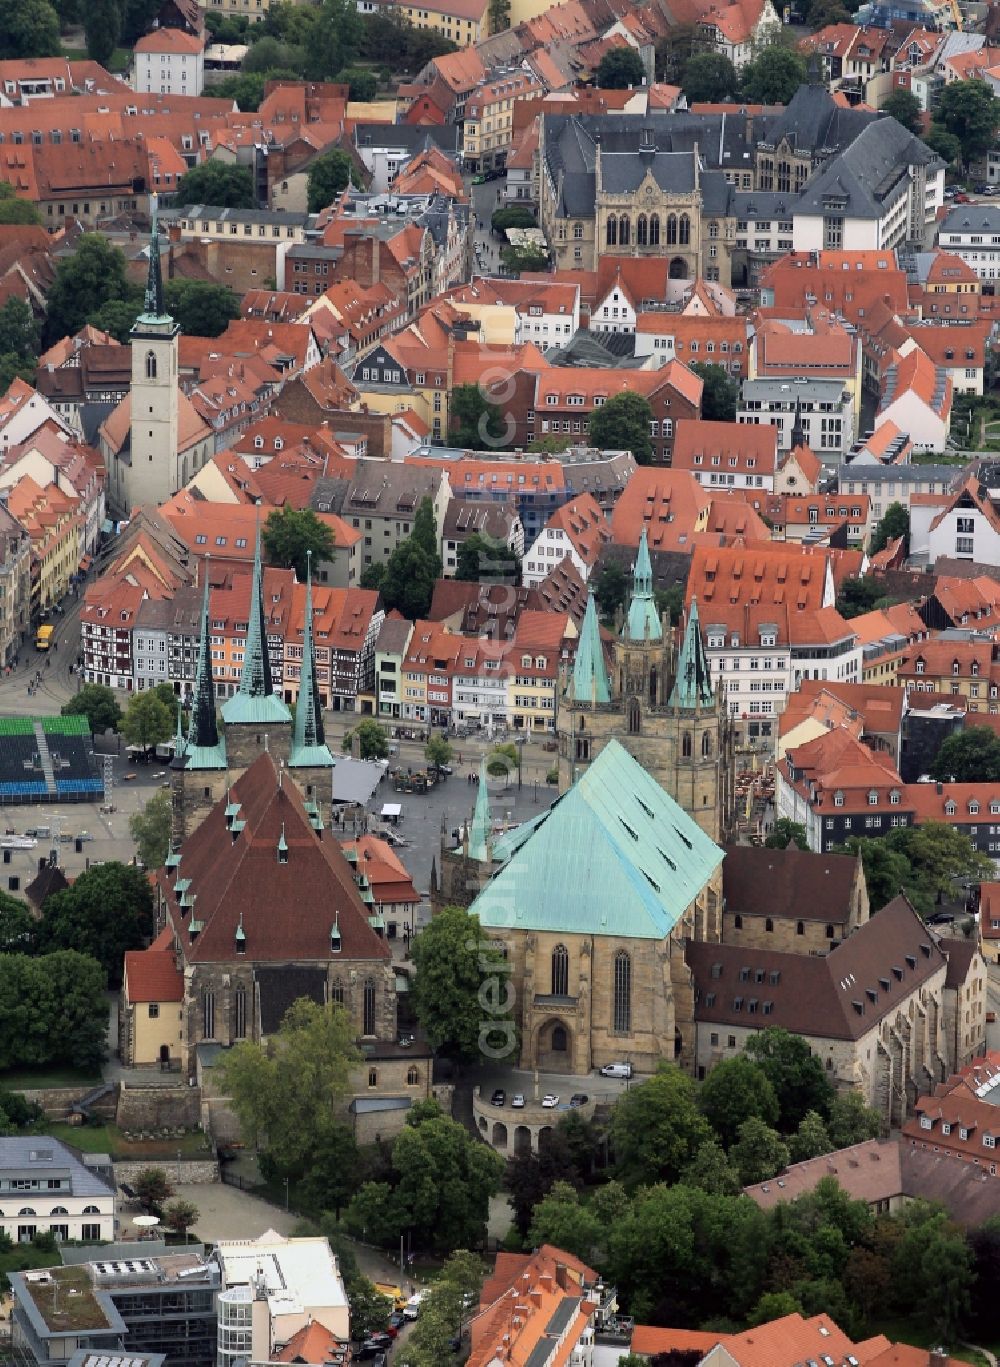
{"type": "Point", "coordinates": [151, 1008]}
{"type": "Point", "coordinates": [465, 22]}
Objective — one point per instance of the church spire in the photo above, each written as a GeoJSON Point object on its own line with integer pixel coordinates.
{"type": "Point", "coordinates": [589, 683]}
{"type": "Point", "coordinates": [480, 833]}
{"type": "Point", "coordinates": [798, 431]}
{"type": "Point", "coordinates": [153, 306]}
{"type": "Point", "coordinates": [204, 725]}
{"type": "Point", "coordinates": [693, 682]}
{"type": "Point", "coordinates": [642, 622]}
{"type": "Point", "coordinates": [308, 740]}
{"type": "Point", "coordinates": [255, 678]}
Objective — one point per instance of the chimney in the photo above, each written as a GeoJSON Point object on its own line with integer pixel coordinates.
{"type": "Point", "coordinates": [937, 1357]}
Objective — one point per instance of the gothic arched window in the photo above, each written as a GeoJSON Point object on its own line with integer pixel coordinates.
{"type": "Point", "coordinates": [560, 971]}
{"type": "Point", "coordinates": [623, 993]}
{"type": "Point", "coordinates": [624, 231]}
{"type": "Point", "coordinates": [706, 744]}
{"type": "Point", "coordinates": [368, 1020]}
{"type": "Point", "coordinates": [240, 1013]}
{"type": "Point", "coordinates": [634, 719]}
{"type": "Point", "coordinates": [654, 230]}
{"type": "Point", "coordinates": [612, 231]}
{"type": "Point", "coordinates": [641, 231]}
{"type": "Point", "coordinates": [686, 745]}
{"type": "Point", "coordinates": [150, 365]}
{"type": "Point", "coordinates": [685, 230]}
{"type": "Point", "coordinates": [671, 229]}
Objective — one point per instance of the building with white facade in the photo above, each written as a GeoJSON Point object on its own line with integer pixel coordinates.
{"type": "Point", "coordinates": [578, 529]}
{"type": "Point", "coordinates": [815, 413]}
{"type": "Point", "coordinates": [885, 484]}
{"type": "Point", "coordinates": [917, 397]}
{"type": "Point", "coordinates": [725, 455]}
{"type": "Point", "coordinates": [972, 231]}
{"type": "Point", "coordinates": [170, 61]}
{"type": "Point", "coordinates": [47, 1187]}
{"type": "Point", "coordinates": [965, 527]}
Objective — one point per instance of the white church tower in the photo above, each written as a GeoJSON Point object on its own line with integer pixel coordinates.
{"type": "Point", "coordinates": [152, 475]}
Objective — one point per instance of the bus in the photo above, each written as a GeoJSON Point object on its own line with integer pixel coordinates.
{"type": "Point", "coordinates": [43, 637]}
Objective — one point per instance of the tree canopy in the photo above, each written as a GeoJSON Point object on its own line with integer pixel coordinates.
{"type": "Point", "coordinates": [786, 832]}
{"type": "Point", "coordinates": [147, 721]}
{"type": "Point", "coordinates": [476, 423]}
{"type": "Point", "coordinates": [200, 307]}
{"type": "Point", "coordinates": [794, 1072]}
{"type": "Point", "coordinates": [709, 77]}
{"type": "Point", "coordinates": [895, 521]}
{"type": "Point", "coordinates": [99, 704]}
{"type": "Point", "coordinates": [971, 755]}
{"type": "Point", "coordinates": [150, 829]}
{"type": "Point", "coordinates": [513, 216]}
{"type": "Point", "coordinates": [969, 112]}
{"type": "Point", "coordinates": [102, 27]}
{"type": "Point", "coordinates": [620, 68]}
{"type": "Point", "coordinates": [720, 392]}
{"type": "Point", "coordinates": [529, 258]}
{"type": "Point", "coordinates": [486, 559]}
{"type": "Point", "coordinates": [85, 281]}
{"type": "Point", "coordinates": [16, 210]}
{"type": "Point", "coordinates": [735, 1090]}
{"type": "Point", "coordinates": [774, 75]}
{"type": "Point", "coordinates": [611, 589]}
{"type": "Point", "coordinates": [461, 992]}
{"type": "Point", "coordinates": [622, 424]}
{"type": "Point", "coordinates": [657, 1128]}
{"type": "Point", "coordinates": [923, 862]}
{"type": "Point", "coordinates": [290, 534]}
{"type": "Point", "coordinates": [904, 107]}
{"type": "Point", "coordinates": [858, 596]}
{"type": "Point", "coordinates": [216, 183]}
{"type": "Point", "coordinates": [19, 340]}
{"type": "Point", "coordinates": [28, 28]}
{"type": "Point", "coordinates": [373, 742]}
{"type": "Point", "coordinates": [107, 911]}
{"type": "Point", "coordinates": [328, 175]}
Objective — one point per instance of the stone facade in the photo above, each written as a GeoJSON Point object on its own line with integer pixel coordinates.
{"type": "Point", "coordinates": [793, 933]}
{"type": "Point", "coordinates": [152, 1108]}
{"type": "Point", "coordinates": [183, 1172]}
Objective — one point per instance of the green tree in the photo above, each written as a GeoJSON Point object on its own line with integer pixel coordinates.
{"type": "Point", "coordinates": [759, 1152]}
{"type": "Point", "coordinates": [19, 339]}
{"type": "Point", "coordinates": [968, 110]}
{"type": "Point", "coordinates": [709, 77]}
{"type": "Point", "coordinates": [945, 144]}
{"type": "Point", "coordinates": [620, 68]}
{"type": "Point", "coordinates": [333, 1171]}
{"type": "Point", "coordinates": [895, 520]}
{"type": "Point", "coordinates": [774, 1305]}
{"type": "Point", "coordinates": [622, 424]}
{"type": "Point", "coordinates": [14, 210]}
{"type": "Point", "coordinates": [795, 1073]}
{"type": "Point", "coordinates": [887, 870]}
{"type": "Point", "coordinates": [513, 216]}
{"type": "Point", "coordinates": [903, 106]}
{"type": "Point", "coordinates": [286, 1091]}
{"type": "Point", "coordinates": [673, 52]}
{"type": "Point", "coordinates": [373, 1215]}
{"type": "Point", "coordinates": [711, 1171]}
{"type": "Point", "coordinates": [267, 55]}
{"type": "Point", "coordinates": [735, 1090]}
{"type": "Point", "coordinates": [102, 27]}
{"type": "Point", "coordinates": [117, 316]}
{"type": "Point", "coordinates": [337, 41]}
{"type": "Point", "coordinates": [28, 28]}
{"type": "Point", "coordinates": [446, 1177]}
{"type": "Point", "coordinates": [218, 184]}
{"type": "Point", "coordinates": [98, 704]}
{"type": "Point", "coordinates": [373, 577]}
{"type": "Point", "coordinates": [851, 1120]}
{"type": "Point", "coordinates": [940, 856]}
{"type": "Point", "coordinates": [17, 929]}
{"type": "Point", "coordinates": [408, 584]}
{"type": "Point", "coordinates": [526, 260]}
{"type": "Point", "coordinates": [53, 1010]}
{"type": "Point", "coordinates": [17, 1113]}
{"type": "Point", "coordinates": [425, 532]}
{"type": "Point", "coordinates": [370, 1310]}
{"type": "Point", "coordinates": [810, 1139]}
{"type": "Point", "coordinates": [200, 307]}
{"type": "Point", "coordinates": [504, 761]}
{"type": "Point", "coordinates": [719, 393]}
{"type": "Point", "coordinates": [245, 88]}
{"type": "Point", "coordinates": [774, 75]}
{"type": "Point", "coordinates": [328, 175]}
{"type": "Point", "coordinates": [107, 911]}
{"type": "Point", "coordinates": [150, 829]}
{"type": "Point", "coordinates": [475, 422]}
{"type": "Point", "coordinates": [137, 19]}
{"type": "Point", "coordinates": [372, 739]}
{"type": "Point", "coordinates": [932, 1269]}
{"type": "Point", "coordinates": [147, 722]}
{"type": "Point", "coordinates": [180, 1216]}
{"type": "Point", "coordinates": [438, 752]}
{"type": "Point", "coordinates": [786, 832]}
{"type": "Point", "coordinates": [291, 534]}
{"type": "Point", "coordinates": [858, 596]}
{"type": "Point", "coordinates": [657, 1128]}
{"type": "Point", "coordinates": [388, 36]}
{"type": "Point", "coordinates": [486, 559]}
{"type": "Point", "coordinates": [611, 589]}
{"type": "Point", "coordinates": [363, 83]}
{"type": "Point", "coordinates": [968, 756]}
{"type": "Point", "coordinates": [85, 281]}
{"type": "Point", "coordinates": [152, 1188]}
{"type": "Point", "coordinates": [442, 1312]}
{"type": "Point", "coordinates": [461, 992]}
{"type": "Point", "coordinates": [560, 1219]}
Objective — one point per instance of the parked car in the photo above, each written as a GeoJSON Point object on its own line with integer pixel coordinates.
{"type": "Point", "coordinates": [499, 1097]}
{"type": "Point", "coordinates": [517, 1101]}
{"type": "Point", "coordinates": [579, 1099]}
{"type": "Point", "coordinates": [616, 1070]}
{"type": "Point", "coordinates": [550, 1101]}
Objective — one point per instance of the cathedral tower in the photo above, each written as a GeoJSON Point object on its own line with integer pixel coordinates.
{"type": "Point", "coordinates": [151, 475]}
{"type": "Point", "coordinates": [199, 764]}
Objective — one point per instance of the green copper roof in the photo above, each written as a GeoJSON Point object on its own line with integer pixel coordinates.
{"type": "Point", "coordinates": [205, 749]}
{"type": "Point", "coordinates": [153, 308]}
{"type": "Point", "coordinates": [256, 700]}
{"type": "Point", "coordinates": [642, 622]}
{"type": "Point", "coordinates": [615, 855]}
{"type": "Point", "coordinates": [589, 683]}
{"type": "Point", "coordinates": [479, 832]}
{"type": "Point", "coordinates": [308, 741]}
{"type": "Point", "coordinates": [693, 683]}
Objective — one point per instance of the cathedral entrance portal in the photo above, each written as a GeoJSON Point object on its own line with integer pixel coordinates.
{"type": "Point", "coordinates": [554, 1052]}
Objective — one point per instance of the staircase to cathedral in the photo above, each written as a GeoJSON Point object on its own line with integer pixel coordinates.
{"type": "Point", "coordinates": [46, 759]}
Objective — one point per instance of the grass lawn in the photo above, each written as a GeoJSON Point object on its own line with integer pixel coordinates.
{"type": "Point", "coordinates": [20, 1081]}
{"type": "Point", "coordinates": [109, 1139]}
{"type": "Point", "coordinates": [902, 1331]}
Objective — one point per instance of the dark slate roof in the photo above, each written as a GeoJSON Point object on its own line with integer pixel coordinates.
{"type": "Point", "coordinates": [589, 349]}
{"type": "Point", "coordinates": [761, 882]}
{"type": "Point", "coordinates": [47, 881]}
{"type": "Point", "coordinates": [812, 121]}
{"type": "Point", "coordinates": [624, 171]}
{"type": "Point", "coordinates": [971, 218]}
{"type": "Point", "coordinates": [414, 138]}
{"type": "Point", "coordinates": [763, 204]}
{"type": "Point", "coordinates": [959, 954]}
{"type": "Point", "coordinates": [840, 996]}
{"type": "Point", "coordinates": [868, 172]}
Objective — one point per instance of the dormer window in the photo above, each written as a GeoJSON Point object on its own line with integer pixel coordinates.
{"type": "Point", "coordinates": [973, 808]}
{"type": "Point", "coordinates": [282, 846]}
{"type": "Point", "coordinates": [894, 797]}
{"type": "Point", "coordinates": [954, 667]}
{"type": "Point", "coordinates": [838, 798]}
{"type": "Point", "coordinates": [949, 808]}
{"type": "Point", "coordinates": [873, 798]}
{"type": "Point", "coordinates": [919, 667]}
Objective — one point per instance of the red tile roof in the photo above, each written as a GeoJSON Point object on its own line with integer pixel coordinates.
{"type": "Point", "coordinates": [152, 975]}
{"type": "Point", "coordinates": [698, 443]}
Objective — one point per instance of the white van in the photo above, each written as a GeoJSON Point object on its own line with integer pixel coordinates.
{"type": "Point", "coordinates": [616, 1070]}
{"type": "Point", "coordinates": [412, 1307]}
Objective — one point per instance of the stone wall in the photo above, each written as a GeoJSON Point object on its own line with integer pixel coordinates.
{"type": "Point", "coordinates": [151, 1108]}
{"type": "Point", "coordinates": [57, 1102]}
{"type": "Point", "coordinates": [198, 1171]}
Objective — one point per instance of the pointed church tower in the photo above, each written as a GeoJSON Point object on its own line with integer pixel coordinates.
{"type": "Point", "coordinates": [693, 680]}
{"type": "Point", "coordinates": [151, 473]}
{"type": "Point", "coordinates": [589, 683]}
{"type": "Point", "coordinates": [481, 830]}
{"type": "Point", "coordinates": [199, 763]}
{"type": "Point", "coordinates": [798, 437]}
{"type": "Point", "coordinates": [642, 622]}
{"type": "Point", "coordinates": [309, 748]}
{"type": "Point", "coordinates": [703, 751]}
{"type": "Point", "coordinates": [255, 717]}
